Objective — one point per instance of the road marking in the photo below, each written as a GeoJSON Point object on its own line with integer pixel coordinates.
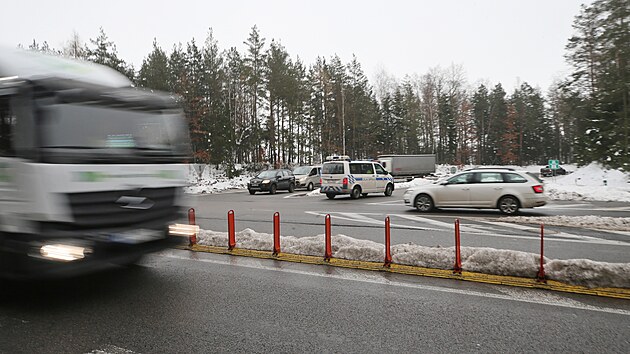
{"type": "Point", "coordinates": [446, 225]}
{"type": "Point", "coordinates": [624, 233]}
{"type": "Point", "coordinates": [442, 226]}
{"type": "Point", "coordinates": [350, 275]}
{"type": "Point", "coordinates": [388, 203]}
{"type": "Point", "coordinates": [360, 218]}
{"type": "Point", "coordinates": [111, 349]}
{"type": "Point", "coordinates": [565, 206]}
{"type": "Point", "coordinates": [584, 207]}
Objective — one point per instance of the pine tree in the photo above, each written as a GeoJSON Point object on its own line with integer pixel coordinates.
{"type": "Point", "coordinates": [254, 65]}
{"type": "Point", "coordinates": [496, 124]}
{"type": "Point", "coordinates": [103, 51]}
{"type": "Point", "coordinates": [154, 72]}
{"type": "Point", "coordinates": [600, 55]}
{"type": "Point", "coordinates": [75, 48]}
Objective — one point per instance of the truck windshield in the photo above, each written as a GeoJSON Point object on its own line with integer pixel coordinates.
{"type": "Point", "coordinates": [71, 132]}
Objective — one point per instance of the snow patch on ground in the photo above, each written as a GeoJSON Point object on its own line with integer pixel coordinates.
{"type": "Point", "coordinates": [476, 259]}
{"type": "Point", "coordinates": [212, 180]}
{"type": "Point", "coordinates": [588, 221]}
{"type": "Point", "coordinates": [590, 182]}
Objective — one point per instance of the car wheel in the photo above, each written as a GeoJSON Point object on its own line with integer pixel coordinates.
{"type": "Point", "coordinates": [424, 203]}
{"type": "Point", "coordinates": [252, 192]}
{"type": "Point", "coordinates": [508, 205]}
{"type": "Point", "coordinates": [272, 189]}
{"type": "Point", "coordinates": [330, 196]}
{"type": "Point", "coordinates": [356, 192]}
{"type": "Point", "coordinates": [389, 190]}
{"type": "Point", "coordinates": [291, 188]}
{"type": "Point", "coordinates": [309, 187]}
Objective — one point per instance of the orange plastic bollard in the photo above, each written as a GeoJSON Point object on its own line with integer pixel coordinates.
{"type": "Point", "coordinates": [328, 250]}
{"type": "Point", "coordinates": [231, 231]}
{"type": "Point", "coordinates": [388, 255]}
{"type": "Point", "coordinates": [457, 269]}
{"type": "Point", "coordinates": [191, 221]}
{"type": "Point", "coordinates": [276, 233]}
{"type": "Point", "coordinates": [541, 271]}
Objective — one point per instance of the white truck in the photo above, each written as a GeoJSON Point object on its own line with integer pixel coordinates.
{"type": "Point", "coordinates": [408, 166]}
{"type": "Point", "coordinates": [91, 169]}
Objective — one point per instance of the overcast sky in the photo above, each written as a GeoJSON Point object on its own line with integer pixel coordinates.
{"type": "Point", "coordinates": [505, 41]}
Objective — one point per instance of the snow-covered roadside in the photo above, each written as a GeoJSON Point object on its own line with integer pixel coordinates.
{"type": "Point", "coordinates": [588, 221]}
{"type": "Point", "coordinates": [484, 260]}
{"type": "Point", "coordinates": [590, 183]}
{"type": "Point", "coordinates": [212, 181]}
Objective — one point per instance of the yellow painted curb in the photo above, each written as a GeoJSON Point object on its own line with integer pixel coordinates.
{"type": "Point", "coordinates": [619, 293]}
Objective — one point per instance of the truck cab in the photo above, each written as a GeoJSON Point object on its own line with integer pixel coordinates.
{"type": "Point", "coordinates": [91, 169]}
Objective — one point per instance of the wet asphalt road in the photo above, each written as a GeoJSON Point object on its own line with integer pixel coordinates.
{"type": "Point", "coordinates": [184, 302]}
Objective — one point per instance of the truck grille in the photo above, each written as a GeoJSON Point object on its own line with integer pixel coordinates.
{"type": "Point", "coordinates": [112, 209]}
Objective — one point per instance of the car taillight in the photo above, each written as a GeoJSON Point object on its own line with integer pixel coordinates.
{"type": "Point", "coordinates": [538, 189]}
{"type": "Point", "coordinates": [345, 183]}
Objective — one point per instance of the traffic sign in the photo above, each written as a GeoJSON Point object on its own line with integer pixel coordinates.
{"type": "Point", "coordinates": [554, 164]}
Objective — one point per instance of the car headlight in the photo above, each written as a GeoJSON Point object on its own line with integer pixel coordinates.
{"type": "Point", "coordinates": [266, 181]}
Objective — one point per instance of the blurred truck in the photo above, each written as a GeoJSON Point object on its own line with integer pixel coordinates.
{"type": "Point", "coordinates": [408, 166]}
{"type": "Point", "coordinates": [91, 169]}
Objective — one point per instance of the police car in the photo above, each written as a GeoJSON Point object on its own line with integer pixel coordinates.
{"type": "Point", "coordinates": [341, 175]}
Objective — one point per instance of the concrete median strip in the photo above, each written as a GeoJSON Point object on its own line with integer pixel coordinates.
{"type": "Point", "coordinates": [620, 293]}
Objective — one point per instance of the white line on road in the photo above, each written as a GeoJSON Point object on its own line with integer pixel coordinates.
{"type": "Point", "coordinates": [111, 349]}
{"type": "Point", "coordinates": [471, 229]}
{"type": "Point", "coordinates": [361, 218]}
{"type": "Point", "coordinates": [352, 275]}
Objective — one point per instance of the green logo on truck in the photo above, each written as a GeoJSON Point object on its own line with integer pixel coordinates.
{"type": "Point", "coordinates": [97, 176]}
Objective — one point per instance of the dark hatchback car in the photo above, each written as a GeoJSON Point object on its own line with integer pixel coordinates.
{"type": "Point", "coordinates": [271, 181]}
{"type": "Point", "coordinates": [548, 172]}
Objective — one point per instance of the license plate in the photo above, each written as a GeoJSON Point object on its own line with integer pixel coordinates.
{"type": "Point", "coordinates": [135, 236]}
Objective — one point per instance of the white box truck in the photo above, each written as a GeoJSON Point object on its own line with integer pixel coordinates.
{"type": "Point", "coordinates": [91, 169]}
{"type": "Point", "coordinates": [408, 166]}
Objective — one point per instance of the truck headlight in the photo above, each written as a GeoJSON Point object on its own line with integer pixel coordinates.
{"type": "Point", "coordinates": [60, 252]}
{"type": "Point", "coordinates": [183, 230]}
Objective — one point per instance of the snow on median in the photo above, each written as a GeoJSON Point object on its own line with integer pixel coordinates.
{"type": "Point", "coordinates": [475, 259]}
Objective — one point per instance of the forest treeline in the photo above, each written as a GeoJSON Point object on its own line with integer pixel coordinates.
{"type": "Point", "coordinates": [263, 105]}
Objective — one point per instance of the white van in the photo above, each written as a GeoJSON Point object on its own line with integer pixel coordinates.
{"type": "Point", "coordinates": [356, 178]}
{"type": "Point", "coordinates": [308, 177]}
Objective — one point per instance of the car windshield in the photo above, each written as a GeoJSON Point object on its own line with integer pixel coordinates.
{"type": "Point", "coordinates": [267, 174]}
{"type": "Point", "coordinates": [302, 170]}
